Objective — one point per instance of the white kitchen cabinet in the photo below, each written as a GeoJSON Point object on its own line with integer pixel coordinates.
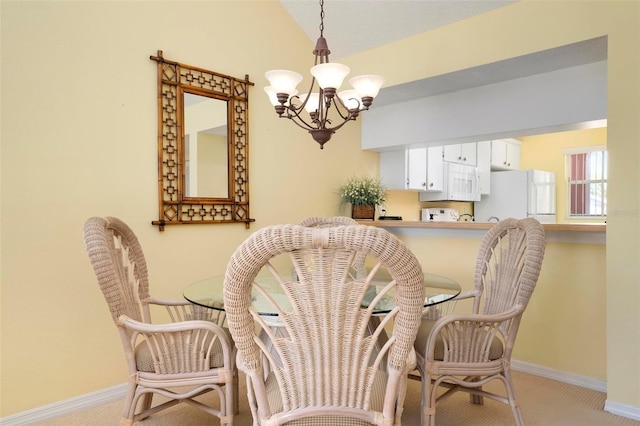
{"type": "Point", "coordinates": [394, 169]}
{"type": "Point", "coordinates": [464, 153]}
{"type": "Point", "coordinates": [426, 169]}
{"type": "Point", "coordinates": [505, 154]}
{"type": "Point", "coordinates": [419, 169]}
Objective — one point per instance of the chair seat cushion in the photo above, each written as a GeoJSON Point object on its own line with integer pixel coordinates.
{"type": "Point", "coordinates": [495, 351]}
{"type": "Point", "coordinates": [144, 360]}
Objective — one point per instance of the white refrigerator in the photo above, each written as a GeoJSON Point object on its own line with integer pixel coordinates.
{"type": "Point", "coordinates": [518, 194]}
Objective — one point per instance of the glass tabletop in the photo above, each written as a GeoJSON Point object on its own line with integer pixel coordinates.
{"type": "Point", "coordinates": [208, 293]}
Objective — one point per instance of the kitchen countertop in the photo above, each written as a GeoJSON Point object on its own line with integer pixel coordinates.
{"type": "Point", "coordinates": [565, 227]}
{"type": "Point", "coordinates": [581, 233]}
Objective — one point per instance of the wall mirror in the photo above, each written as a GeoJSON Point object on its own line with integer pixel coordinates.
{"type": "Point", "coordinates": [203, 146]}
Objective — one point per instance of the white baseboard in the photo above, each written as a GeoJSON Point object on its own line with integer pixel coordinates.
{"type": "Point", "coordinates": [119, 392]}
{"type": "Point", "coordinates": [628, 411]}
{"type": "Point", "coordinates": [561, 376]}
{"type": "Point", "coordinates": [68, 406]}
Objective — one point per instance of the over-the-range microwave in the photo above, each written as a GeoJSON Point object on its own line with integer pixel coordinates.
{"type": "Point", "coordinates": [460, 183]}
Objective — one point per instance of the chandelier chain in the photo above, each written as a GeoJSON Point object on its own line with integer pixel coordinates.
{"type": "Point", "coordinates": [321, 17]}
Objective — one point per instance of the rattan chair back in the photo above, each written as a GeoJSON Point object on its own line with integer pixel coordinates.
{"type": "Point", "coordinates": [326, 366]}
{"type": "Point", "coordinates": [359, 268]}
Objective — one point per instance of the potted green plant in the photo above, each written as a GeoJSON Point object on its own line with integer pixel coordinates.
{"type": "Point", "coordinates": [364, 194]}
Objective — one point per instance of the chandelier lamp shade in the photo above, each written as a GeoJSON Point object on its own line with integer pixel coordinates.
{"type": "Point", "coordinates": [310, 110]}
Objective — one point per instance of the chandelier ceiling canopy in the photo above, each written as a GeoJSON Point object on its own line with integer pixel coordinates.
{"type": "Point", "coordinates": [310, 110]}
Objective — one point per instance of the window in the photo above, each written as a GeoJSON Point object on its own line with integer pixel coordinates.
{"type": "Point", "coordinates": [587, 182]}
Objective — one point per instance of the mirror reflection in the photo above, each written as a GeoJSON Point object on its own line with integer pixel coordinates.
{"type": "Point", "coordinates": [205, 147]}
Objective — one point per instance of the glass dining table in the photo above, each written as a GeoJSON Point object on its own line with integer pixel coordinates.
{"type": "Point", "coordinates": [208, 293]}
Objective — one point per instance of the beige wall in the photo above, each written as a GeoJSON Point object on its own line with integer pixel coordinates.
{"type": "Point", "coordinates": [78, 139]}
{"type": "Point", "coordinates": [570, 286]}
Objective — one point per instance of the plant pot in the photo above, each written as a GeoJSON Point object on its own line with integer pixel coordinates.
{"type": "Point", "coordinates": [363, 211]}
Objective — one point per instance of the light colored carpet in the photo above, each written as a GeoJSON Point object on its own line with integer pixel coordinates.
{"type": "Point", "coordinates": [542, 401]}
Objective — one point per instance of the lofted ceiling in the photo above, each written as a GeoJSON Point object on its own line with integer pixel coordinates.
{"type": "Point", "coordinates": [352, 26]}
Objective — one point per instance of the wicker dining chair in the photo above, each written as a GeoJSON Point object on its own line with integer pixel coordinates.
{"type": "Point", "coordinates": [359, 268]}
{"type": "Point", "coordinates": [189, 355]}
{"type": "Point", "coordinates": [464, 351]}
{"type": "Point", "coordinates": [326, 369]}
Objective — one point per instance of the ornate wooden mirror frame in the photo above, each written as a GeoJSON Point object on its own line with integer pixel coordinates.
{"type": "Point", "coordinates": [175, 205]}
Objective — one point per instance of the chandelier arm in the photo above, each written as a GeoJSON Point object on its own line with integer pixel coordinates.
{"type": "Point", "coordinates": [294, 111]}
{"type": "Point", "coordinates": [322, 119]}
{"type": "Point", "coordinates": [309, 92]}
{"type": "Point", "coordinates": [350, 117]}
{"type": "Point", "coordinates": [341, 114]}
{"type": "Point", "coordinates": [359, 108]}
{"type": "Point", "coordinates": [340, 107]}
{"type": "Point", "coordinates": [293, 107]}
{"type": "Point", "coordinates": [322, 113]}
{"type": "Point", "coordinates": [293, 114]}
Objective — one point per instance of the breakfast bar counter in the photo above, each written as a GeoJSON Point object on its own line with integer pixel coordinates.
{"type": "Point", "coordinates": [588, 233]}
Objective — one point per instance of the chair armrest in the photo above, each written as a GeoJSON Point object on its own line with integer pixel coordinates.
{"type": "Point", "coordinates": [165, 302]}
{"type": "Point", "coordinates": [467, 329]}
{"type": "Point", "coordinates": [179, 347]}
{"type": "Point", "coordinates": [146, 328]}
{"type": "Point", "coordinates": [503, 316]}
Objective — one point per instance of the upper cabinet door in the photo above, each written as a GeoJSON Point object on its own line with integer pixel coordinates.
{"type": "Point", "coordinates": [435, 169]}
{"type": "Point", "coordinates": [425, 169]}
{"type": "Point", "coordinates": [461, 153]}
{"type": "Point", "coordinates": [394, 169]}
{"type": "Point", "coordinates": [417, 173]}
{"type": "Point", "coordinates": [505, 154]}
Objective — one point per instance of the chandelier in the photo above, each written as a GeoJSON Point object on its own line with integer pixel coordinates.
{"type": "Point", "coordinates": [310, 111]}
